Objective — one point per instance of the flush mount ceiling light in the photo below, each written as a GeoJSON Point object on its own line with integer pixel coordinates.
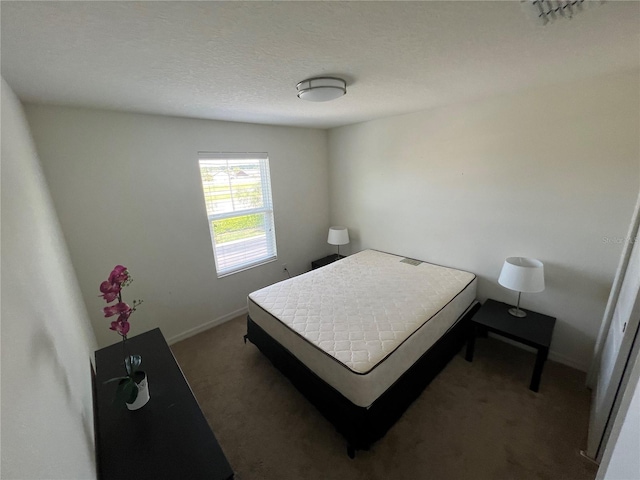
{"type": "Point", "coordinates": [321, 89]}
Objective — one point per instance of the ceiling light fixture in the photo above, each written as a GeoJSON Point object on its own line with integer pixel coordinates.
{"type": "Point", "coordinates": [321, 89]}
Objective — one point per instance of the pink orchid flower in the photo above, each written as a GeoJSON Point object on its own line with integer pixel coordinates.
{"type": "Point", "coordinates": [119, 275]}
{"type": "Point", "coordinates": [109, 291]}
{"type": "Point", "coordinates": [118, 308]}
{"type": "Point", "coordinates": [122, 327]}
{"type": "Point", "coordinates": [124, 316]}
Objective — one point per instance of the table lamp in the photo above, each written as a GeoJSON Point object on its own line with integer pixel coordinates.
{"type": "Point", "coordinates": [338, 236]}
{"type": "Point", "coordinates": [522, 275]}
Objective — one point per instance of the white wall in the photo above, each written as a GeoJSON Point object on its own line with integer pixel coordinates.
{"type": "Point", "coordinates": [549, 173]}
{"type": "Point", "coordinates": [47, 341]}
{"type": "Point", "coordinates": [127, 190]}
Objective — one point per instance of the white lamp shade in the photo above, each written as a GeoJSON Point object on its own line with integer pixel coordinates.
{"type": "Point", "coordinates": [522, 274]}
{"type": "Point", "coordinates": [338, 236]}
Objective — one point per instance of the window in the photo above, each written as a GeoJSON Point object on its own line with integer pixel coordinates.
{"type": "Point", "coordinates": [237, 193]}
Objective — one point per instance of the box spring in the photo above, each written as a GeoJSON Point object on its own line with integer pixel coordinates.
{"type": "Point", "coordinates": [362, 426]}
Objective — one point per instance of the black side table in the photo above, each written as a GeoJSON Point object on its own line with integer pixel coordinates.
{"type": "Point", "coordinates": [534, 330]}
{"type": "Point", "coordinates": [326, 261]}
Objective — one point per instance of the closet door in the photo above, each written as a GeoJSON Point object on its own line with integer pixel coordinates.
{"type": "Point", "coordinates": [615, 356]}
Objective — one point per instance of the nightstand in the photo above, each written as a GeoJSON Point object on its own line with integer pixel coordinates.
{"type": "Point", "coordinates": [534, 330]}
{"type": "Point", "coordinates": [326, 261]}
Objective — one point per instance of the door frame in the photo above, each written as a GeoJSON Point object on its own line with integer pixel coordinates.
{"type": "Point", "coordinates": [600, 427]}
{"type": "Point", "coordinates": [594, 369]}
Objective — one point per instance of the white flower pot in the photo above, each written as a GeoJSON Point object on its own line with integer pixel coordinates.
{"type": "Point", "coordinates": [143, 393]}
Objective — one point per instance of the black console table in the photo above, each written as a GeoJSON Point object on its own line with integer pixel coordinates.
{"type": "Point", "coordinates": [169, 437]}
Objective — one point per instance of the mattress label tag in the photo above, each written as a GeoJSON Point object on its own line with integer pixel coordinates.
{"type": "Point", "coordinates": [411, 261]}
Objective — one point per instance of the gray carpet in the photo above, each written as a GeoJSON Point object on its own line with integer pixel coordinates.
{"type": "Point", "coordinates": [474, 421]}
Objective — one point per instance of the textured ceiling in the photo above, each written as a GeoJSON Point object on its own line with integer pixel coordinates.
{"type": "Point", "coordinates": [241, 61]}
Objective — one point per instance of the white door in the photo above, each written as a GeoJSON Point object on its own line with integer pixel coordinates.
{"type": "Point", "coordinates": [615, 356]}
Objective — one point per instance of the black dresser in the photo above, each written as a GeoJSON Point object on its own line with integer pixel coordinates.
{"type": "Point", "coordinates": [169, 437]}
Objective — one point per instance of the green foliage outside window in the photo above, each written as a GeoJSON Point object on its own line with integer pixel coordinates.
{"type": "Point", "coordinates": [237, 228]}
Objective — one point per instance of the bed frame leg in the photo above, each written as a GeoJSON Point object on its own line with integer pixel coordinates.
{"type": "Point", "coordinates": [245, 338]}
{"type": "Point", "coordinates": [351, 452]}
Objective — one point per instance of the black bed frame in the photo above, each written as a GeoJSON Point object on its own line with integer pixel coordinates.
{"type": "Point", "coordinates": [362, 426]}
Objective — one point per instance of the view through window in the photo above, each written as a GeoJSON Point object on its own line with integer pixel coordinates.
{"type": "Point", "coordinates": [237, 193]}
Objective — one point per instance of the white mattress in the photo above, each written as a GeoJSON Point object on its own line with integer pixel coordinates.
{"type": "Point", "coordinates": [361, 322]}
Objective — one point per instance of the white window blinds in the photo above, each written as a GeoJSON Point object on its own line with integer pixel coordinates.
{"type": "Point", "coordinates": [237, 194]}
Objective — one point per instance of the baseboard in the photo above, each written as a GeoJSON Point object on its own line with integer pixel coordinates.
{"type": "Point", "coordinates": [206, 326]}
{"type": "Point", "coordinates": [558, 357]}
{"type": "Point", "coordinates": [553, 355]}
{"type": "Point", "coordinates": [592, 460]}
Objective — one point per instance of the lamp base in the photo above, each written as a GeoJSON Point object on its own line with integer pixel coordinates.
{"type": "Point", "coordinates": [516, 312]}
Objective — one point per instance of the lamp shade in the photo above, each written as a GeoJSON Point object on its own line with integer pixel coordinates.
{"type": "Point", "coordinates": [338, 236]}
{"type": "Point", "coordinates": [522, 274]}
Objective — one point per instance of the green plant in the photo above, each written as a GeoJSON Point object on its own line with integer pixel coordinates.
{"type": "Point", "coordinates": [127, 390]}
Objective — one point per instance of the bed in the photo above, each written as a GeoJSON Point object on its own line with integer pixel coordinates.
{"type": "Point", "coordinates": [362, 337]}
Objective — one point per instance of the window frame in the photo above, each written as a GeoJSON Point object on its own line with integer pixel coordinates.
{"type": "Point", "coordinates": [266, 209]}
